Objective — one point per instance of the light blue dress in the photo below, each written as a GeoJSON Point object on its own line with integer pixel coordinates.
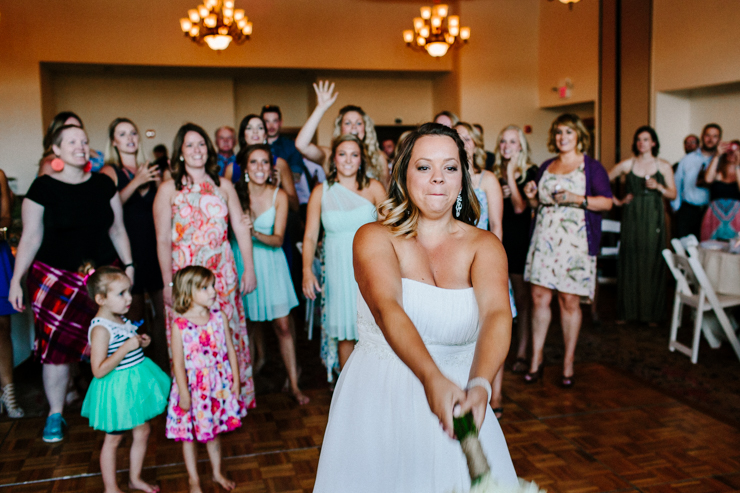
{"type": "Point", "coordinates": [274, 296]}
{"type": "Point", "coordinates": [483, 224]}
{"type": "Point", "coordinates": [342, 214]}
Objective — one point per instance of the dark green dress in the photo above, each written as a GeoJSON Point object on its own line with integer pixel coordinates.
{"type": "Point", "coordinates": [641, 287]}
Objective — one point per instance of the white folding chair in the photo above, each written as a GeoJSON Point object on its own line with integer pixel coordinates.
{"type": "Point", "coordinates": [681, 244]}
{"type": "Point", "coordinates": [613, 227]}
{"type": "Point", "coordinates": [694, 289]}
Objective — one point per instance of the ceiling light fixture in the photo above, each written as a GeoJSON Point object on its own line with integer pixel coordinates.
{"type": "Point", "coordinates": [216, 23]}
{"type": "Point", "coordinates": [436, 31]}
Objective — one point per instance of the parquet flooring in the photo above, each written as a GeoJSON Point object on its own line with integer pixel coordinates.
{"type": "Point", "coordinates": [610, 432]}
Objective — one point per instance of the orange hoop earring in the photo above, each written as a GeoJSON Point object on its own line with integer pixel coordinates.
{"type": "Point", "coordinates": [57, 164]}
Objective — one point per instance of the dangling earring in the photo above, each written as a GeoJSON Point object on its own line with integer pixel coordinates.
{"type": "Point", "coordinates": [246, 177]}
{"type": "Point", "coordinates": [182, 159]}
{"type": "Point", "coordinates": [57, 164]}
{"type": "Point", "coordinates": [458, 204]}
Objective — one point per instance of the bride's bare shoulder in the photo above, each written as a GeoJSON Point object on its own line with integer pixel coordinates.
{"type": "Point", "coordinates": [371, 233]}
{"type": "Point", "coordinates": [484, 239]}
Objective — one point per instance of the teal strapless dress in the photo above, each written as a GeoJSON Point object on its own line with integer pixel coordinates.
{"type": "Point", "coordinates": [275, 295]}
{"type": "Point", "coordinates": [342, 214]}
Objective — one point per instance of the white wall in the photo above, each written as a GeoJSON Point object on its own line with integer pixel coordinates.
{"type": "Point", "coordinates": [717, 105]}
{"type": "Point", "coordinates": [160, 103]}
{"type": "Point", "coordinates": [292, 96]}
{"type": "Point", "coordinates": [672, 123]}
{"type": "Point", "coordinates": [498, 70]}
{"type": "Point", "coordinates": [681, 113]}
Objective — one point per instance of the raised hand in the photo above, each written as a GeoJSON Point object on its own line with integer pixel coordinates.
{"type": "Point", "coordinates": [506, 191]}
{"type": "Point", "coordinates": [325, 95]}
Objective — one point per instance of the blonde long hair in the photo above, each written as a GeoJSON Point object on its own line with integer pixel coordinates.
{"type": "Point", "coordinates": [398, 213]}
{"type": "Point", "coordinates": [112, 156]}
{"type": "Point", "coordinates": [372, 146]}
{"type": "Point", "coordinates": [524, 159]}
{"type": "Point", "coordinates": [479, 155]}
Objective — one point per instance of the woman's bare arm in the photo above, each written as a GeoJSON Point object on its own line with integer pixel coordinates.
{"type": "Point", "coordinates": [32, 214]}
{"type": "Point", "coordinates": [243, 238]}
{"type": "Point", "coordinates": [6, 206]}
{"type": "Point", "coordinates": [119, 236]}
{"type": "Point", "coordinates": [490, 278]}
{"type": "Point", "coordinates": [495, 204]}
{"type": "Point", "coordinates": [325, 96]}
{"type": "Point", "coordinates": [163, 227]}
{"type": "Point", "coordinates": [517, 200]}
{"type": "Point", "coordinates": [281, 219]}
{"type": "Point", "coordinates": [310, 284]}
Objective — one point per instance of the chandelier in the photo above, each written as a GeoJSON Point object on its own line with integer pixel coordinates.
{"type": "Point", "coordinates": [217, 24]}
{"type": "Point", "coordinates": [569, 2]}
{"type": "Point", "coordinates": [437, 36]}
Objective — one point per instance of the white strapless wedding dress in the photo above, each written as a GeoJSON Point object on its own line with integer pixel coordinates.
{"type": "Point", "coordinates": [381, 435]}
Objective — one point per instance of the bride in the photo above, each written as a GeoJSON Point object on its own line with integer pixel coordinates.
{"type": "Point", "coordinates": [434, 325]}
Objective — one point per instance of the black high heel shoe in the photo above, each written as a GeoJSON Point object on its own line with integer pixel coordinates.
{"type": "Point", "coordinates": [567, 382]}
{"type": "Point", "coordinates": [537, 375]}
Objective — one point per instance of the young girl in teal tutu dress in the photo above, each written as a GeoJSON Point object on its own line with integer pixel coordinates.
{"type": "Point", "coordinates": [204, 399]}
{"type": "Point", "coordinates": [128, 389]}
{"type": "Point", "coordinates": [274, 297]}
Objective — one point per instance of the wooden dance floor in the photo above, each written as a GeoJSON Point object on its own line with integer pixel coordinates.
{"type": "Point", "coordinates": [609, 433]}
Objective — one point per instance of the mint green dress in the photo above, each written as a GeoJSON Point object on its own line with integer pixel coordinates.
{"type": "Point", "coordinates": [274, 296]}
{"type": "Point", "coordinates": [342, 214]}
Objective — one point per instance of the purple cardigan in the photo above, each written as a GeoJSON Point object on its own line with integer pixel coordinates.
{"type": "Point", "coordinates": [597, 185]}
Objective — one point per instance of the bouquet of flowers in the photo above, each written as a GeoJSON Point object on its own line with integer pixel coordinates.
{"type": "Point", "coordinates": [480, 472]}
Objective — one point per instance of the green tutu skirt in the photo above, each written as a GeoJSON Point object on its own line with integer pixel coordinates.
{"type": "Point", "coordinates": [125, 399]}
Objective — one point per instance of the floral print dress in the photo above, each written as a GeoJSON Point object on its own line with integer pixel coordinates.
{"type": "Point", "coordinates": [200, 237]}
{"type": "Point", "coordinates": [558, 256]}
{"type": "Point", "coordinates": [214, 408]}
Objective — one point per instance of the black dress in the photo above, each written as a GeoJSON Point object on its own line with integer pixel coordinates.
{"type": "Point", "coordinates": [138, 217]}
{"type": "Point", "coordinates": [516, 228]}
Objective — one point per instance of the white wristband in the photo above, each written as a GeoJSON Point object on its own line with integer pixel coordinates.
{"type": "Point", "coordinates": [480, 382]}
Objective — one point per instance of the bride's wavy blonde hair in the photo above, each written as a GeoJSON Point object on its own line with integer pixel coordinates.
{"type": "Point", "coordinates": [398, 213]}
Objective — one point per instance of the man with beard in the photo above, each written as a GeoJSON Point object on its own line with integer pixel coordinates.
{"type": "Point", "coordinates": [691, 201]}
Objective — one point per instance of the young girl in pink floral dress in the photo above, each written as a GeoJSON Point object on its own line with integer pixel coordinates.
{"type": "Point", "coordinates": [204, 399]}
{"type": "Point", "coordinates": [192, 214]}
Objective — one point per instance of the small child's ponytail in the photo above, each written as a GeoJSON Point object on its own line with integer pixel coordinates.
{"type": "Point", "coordinates": [99, 279]}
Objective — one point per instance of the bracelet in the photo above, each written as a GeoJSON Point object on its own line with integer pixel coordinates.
{"type": "Point", "coordinates": [128, 265]}
{"type": "Point", "coordinates": [480, 382]}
